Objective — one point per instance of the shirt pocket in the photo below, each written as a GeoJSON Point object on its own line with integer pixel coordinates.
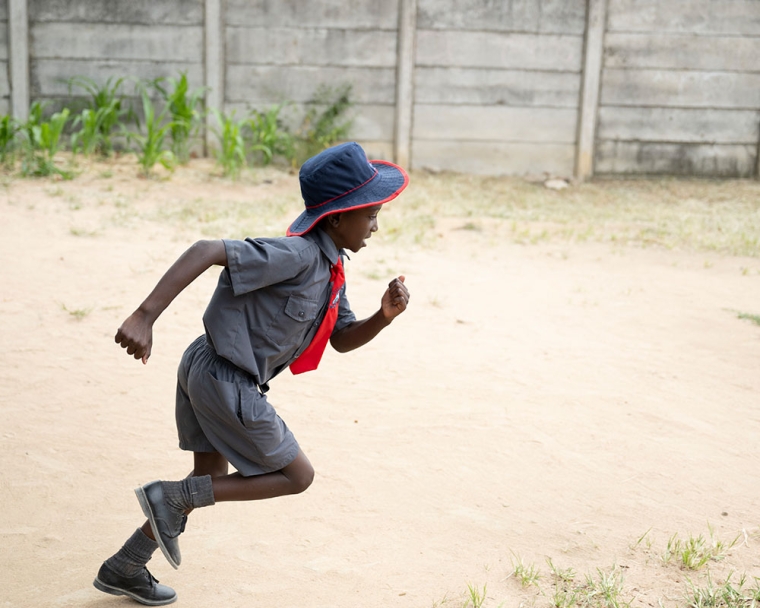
{"type": "Point", "coordinates": [293, 322]}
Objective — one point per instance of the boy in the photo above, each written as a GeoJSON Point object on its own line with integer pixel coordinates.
{"type": "Point", "coordinates": [277, 303]}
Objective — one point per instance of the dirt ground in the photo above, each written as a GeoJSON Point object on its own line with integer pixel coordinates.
{"type": "Point", "coordinates": [575, 403]}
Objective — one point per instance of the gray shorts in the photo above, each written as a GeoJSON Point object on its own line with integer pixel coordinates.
{"type": "Point", "coordinates": [220, 409]}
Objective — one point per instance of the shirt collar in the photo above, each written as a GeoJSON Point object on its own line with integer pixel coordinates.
{"type": "Point", "coordinates": [325, 244]}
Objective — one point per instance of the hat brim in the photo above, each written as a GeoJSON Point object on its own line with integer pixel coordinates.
{"type": "Point", "coordinates": [389, 182]}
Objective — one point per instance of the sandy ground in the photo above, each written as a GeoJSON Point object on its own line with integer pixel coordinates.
{"type": "Point", "coordinates": [535, 402]}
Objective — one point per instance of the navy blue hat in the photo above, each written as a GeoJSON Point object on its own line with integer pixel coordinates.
{"type": "Point", "coordinates": [341, 179]}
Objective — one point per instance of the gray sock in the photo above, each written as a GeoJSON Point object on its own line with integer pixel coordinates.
{"type": "Point", "coordinates": [190, 493]}
{"type": "Point", "coordinates": [132, 557]}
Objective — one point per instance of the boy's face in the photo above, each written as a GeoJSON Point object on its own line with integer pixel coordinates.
{"type": "Point", "coordinates": [350, 229]}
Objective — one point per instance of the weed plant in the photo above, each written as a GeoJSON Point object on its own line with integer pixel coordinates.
{"type": "Point", "coordinates": [268, 137]}
{"type": "Point", "coordinates": [150, 142]}
{"type": "Point", "coordinates": [476, 596]}
{"type": "Point", "coordinates": [186, 110]}
{"type": "Point", "coordinates": [231, 152]}
{"type": "Point", "coordinates": [108, 110]}
{"type": "Point", "coordinates": [43, 138]}
{"type": "Point", "coordinates": [9, 128]}
{"type": "Point", "coordinates": [326, 122]}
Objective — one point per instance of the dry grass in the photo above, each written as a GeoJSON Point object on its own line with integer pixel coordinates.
{"type": "Point", "coordinates": [690, 214]}
{"type": "Point", "coordinates": [704, 215]}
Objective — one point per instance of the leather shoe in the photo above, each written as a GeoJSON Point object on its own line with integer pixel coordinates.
{"type": "Point", "coordinates": [142, 587]}
{"type": "Point", "coordinates": [166, 522]}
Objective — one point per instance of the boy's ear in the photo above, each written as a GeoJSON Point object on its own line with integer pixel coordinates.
{"type": "Point", "coordinates": [334, 219]}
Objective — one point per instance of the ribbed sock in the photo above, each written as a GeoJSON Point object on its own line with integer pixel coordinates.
{"type": "Point", "coordinates": [132, 557]}
{"type": "Point", "coordinates": [190, 493]}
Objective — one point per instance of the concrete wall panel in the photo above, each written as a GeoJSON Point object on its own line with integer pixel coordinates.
{"type": "Point", "coordinates": [317, 46]}
{"type": "Point", "coordinates": [685, 16]}
{"type": "Point", "coordinates": [679, 125]}
{"type": "Point", "coordinates": [96, 41]}
{"type": "Point", "coordinates": [491, 158]}
{"type": "Point", "coordinates": [359, 14]}
{"type": "Point", "coordinates": [4, 53]}
{"type": "Point", "coordinates": [5, 86]}
{"type": "Point", "coordinates": [496, 87]}
{"type": "Point", "coordinates": [147, 12]}
{"type": "Point", "coordinates": [547, 16]}
{"type": "Point", "coordinates": [682, 52]}
{"type": "Point", "coordinates": [676, 159]}
{"type": "Point", "coordinates": [262, 84]}
{"type": "Point", "coordinates": [495, 123]}
{"type": "Point", "coordinates": [670, 88]}
{"type": "Point", "coordinates": [490, 50]}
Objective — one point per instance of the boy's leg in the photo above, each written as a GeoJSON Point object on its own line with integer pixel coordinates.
{"type": "Point", "coordinates": [292, 479]}
{"type": "Point", "coordinates": [167, 502]}
{"type": "Point", "coordinates": [124, 573]}
{"type": "Point", "coordinates": [205, 463]}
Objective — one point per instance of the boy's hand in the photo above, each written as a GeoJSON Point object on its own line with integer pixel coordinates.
{"type": "Point", "coordinates": [136, 335]}
{"type": "Point", "coordinates": [395, 299]}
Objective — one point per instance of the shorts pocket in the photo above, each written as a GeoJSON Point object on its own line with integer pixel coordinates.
{"type": "Point", "coordinates": [260, 420]}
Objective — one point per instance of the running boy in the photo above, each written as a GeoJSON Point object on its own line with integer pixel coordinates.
{"type": "Point", "coordinates": [277, 302]}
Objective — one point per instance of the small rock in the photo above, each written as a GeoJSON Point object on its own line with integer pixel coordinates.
{"type": "Point", "coordinates": [556, 184]}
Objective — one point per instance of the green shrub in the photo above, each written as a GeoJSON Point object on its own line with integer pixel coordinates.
{"type": "Point", "coordinates": [231, 152]}
{"type": "Point", "coordinates": [108, 110]}
{"type": "Point", "coordinates": [268, 136]}
{"type": "Point", "coordinates": [185, 107]}
{"type": "Point", "coordinates": [43, 139]}
{"type": "Point", "coordinates": [9, 128]}
{"type": "Point", "coordinates": [150, 143]}
{"type": "Point", "coordinates": [326, 122]}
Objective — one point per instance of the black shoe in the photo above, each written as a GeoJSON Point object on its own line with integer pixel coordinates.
{"type": "Point", "coordinates": [167, 523]}
{"type": "Point", "coordinates": [142, 588]}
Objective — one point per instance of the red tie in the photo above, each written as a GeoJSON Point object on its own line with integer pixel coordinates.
{"type": "Point", "coordinates": [309, 359]}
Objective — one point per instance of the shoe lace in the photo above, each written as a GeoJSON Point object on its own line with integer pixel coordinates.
{"type": "Point", "coordinates": [151, 579]}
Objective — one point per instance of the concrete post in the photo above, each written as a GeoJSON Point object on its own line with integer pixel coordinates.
{"type": "Point", "coordinates": [407, 32]}
{"type": "Point", "coordinates": [18, 47]}
{"type": "Point", "coordinates": [591, 79]}
{"type": "Point", "coordinates": [214, 67]}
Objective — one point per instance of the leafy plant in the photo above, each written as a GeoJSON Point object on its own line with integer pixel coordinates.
{"type": "Point", "coordinates": [231, 152]}
{"type": "Point", "coordinates": [476, 596]}
{"type": "Point", "coordinates": [151, 143]}
{"type": "Point", "coordinates": [89, 138]}
{"type": "Point", "coordinates": [326, 122]}
{"type": "Point", "coordinates": [108, 104]}
{"type": "Point", "coordinates": [268, 135]}
{"type": "Point", "coordinates": [43, 141]}
{"type": "Point", "coordinates": [527, 575]}
{"type": "Point", "coordinates": [745, 316]}
{"type": "Point", "coordinates": [9, 128]}
{"type": "Point", "coordinates": [185, 109]}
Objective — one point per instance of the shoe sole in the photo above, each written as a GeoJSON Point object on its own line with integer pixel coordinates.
{"type": "Point", "coordinates": [148, 512]}
{"type": "Point", "coordinates": [101, 586]}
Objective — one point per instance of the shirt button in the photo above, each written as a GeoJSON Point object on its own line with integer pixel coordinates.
{"type": "Point", "coordinates": [300, 314]}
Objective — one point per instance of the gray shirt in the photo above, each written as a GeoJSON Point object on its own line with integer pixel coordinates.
{"type": "Point", "coordinates": [270, 300]}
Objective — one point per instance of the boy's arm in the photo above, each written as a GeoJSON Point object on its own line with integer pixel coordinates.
{"type": "Point", "coordinates": [358, 333]}
{"type": "Point", "coordinates": [136, 333]}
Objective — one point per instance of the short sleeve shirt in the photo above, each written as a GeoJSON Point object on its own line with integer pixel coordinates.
{"type": "Point", "coordinates": [270, 300]}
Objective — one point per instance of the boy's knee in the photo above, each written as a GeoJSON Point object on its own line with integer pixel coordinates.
{"type": "Point", "coordinates": [303, 479]}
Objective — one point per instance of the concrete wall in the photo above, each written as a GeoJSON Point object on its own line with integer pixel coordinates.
{"type": "Point", "coordinates": [278, 50]}
{"type": "Point", "coordinates": [497, 85]}
{"type": "Point", "coordinates": [680, 88]}
{"type": "Point", "coordinates": [101, 39]}
{"type": "Point", "coordinates": [510, 87]}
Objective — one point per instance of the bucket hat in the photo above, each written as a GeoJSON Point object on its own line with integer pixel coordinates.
{"type": "Point", "coordinates": [342, 179]}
